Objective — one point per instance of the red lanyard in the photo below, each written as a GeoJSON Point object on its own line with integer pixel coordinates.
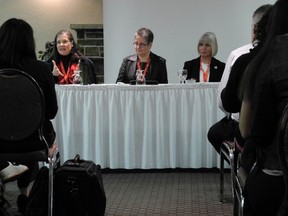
{"type": "Point", "coordinates": [205, 73]}
{"type": "Point", "coordinates": [67, 77]}
{"type": "Point", "coordinates": [146, 67]}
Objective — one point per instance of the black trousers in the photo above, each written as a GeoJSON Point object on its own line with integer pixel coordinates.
{"type": "Point", "coordinates": [263, 193]}
{"type": "Point", "coordinates": [222, 130]}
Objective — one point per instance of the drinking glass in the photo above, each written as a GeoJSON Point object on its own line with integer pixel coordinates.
{"type": "Point", "coordinates": [182, 75]}
{"type": "Point", "coordinates": [140, 78]}
{"type": "Point", "coordinates": [77, 79]}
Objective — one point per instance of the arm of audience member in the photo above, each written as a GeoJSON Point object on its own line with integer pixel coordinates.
{"type": "Point", "coordinates": [224, 81]}
{"type": "Point", "coordinates": [245, 118]}
{"type": "Point", "coordinates": [230, 94]}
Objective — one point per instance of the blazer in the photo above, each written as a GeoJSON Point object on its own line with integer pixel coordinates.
{"type": "Point", "coordinates": [157, 70]}
{"type": "Point", "coordinates": [216, 69]}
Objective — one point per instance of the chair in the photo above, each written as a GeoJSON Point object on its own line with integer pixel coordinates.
{"type": "Point", "coordinates": [22, 114]}
{"type": "Point", "coordinates": [239, 182]}
{"type": "Point", "coordinates": [283, 157]}
{"type": "Point", "coordinates": [226, 152]}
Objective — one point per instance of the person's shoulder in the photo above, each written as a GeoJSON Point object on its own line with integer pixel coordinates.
{"type": "Point", "coordinates": [192, 61]}
{"type": "Point", "coordinates": [240, 51]}
{"type": "Point", "coordinates": [280, 42]}
{"type": "Point", "coordinates": [217, 61]}
{"type": "Point", "coordinates": [130, 58]}
{"type": "Point", "coordinates": [38, 64]}
{"type": "Point", "coordinates": [156, 57]}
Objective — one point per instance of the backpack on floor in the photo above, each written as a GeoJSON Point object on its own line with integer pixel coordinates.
{"type": "Point", "coordinates": [79, 189]}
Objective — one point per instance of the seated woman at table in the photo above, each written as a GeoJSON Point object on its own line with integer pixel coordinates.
{"type": "Point", "coordinates": [65, 59]}
{"type": "Point", "coordinates": [153, 66]}
{"type": "Point", "coordinates": [205, 68]}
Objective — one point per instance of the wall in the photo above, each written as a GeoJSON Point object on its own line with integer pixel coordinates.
{"type": "Point", "coordinates": [177, 26]}
{"type": "Point", "coordinates": [47, 17]}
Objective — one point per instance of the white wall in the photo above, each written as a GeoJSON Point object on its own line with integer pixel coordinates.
{"type": "Point", "coordinates": [177, 26]}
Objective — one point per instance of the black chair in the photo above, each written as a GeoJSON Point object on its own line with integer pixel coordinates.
{"type": "Point", "coordinates": [283, 157]}
{"type": "Point", "coordinates": [239, 183]}
{"type": "Point", "coordinates": [227, 152]}
{"type": "Point", "coordinates": [22, 114]}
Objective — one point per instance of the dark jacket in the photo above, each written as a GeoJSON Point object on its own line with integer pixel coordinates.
{"type": "Point", "coordinates": [269, 100]}
{"type": "Point", "coordinates": [216, 69]}
{"type": "Point", "coordinates": [157, 70]}
{"type": "Point", "coordinates": [230, 94]}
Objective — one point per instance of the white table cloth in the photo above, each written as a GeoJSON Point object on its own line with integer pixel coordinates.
{"type": "Point", "coordinates": [124, 126]}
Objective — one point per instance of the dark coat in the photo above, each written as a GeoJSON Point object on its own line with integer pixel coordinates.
{"type": "Point", "coordinates": [157, 70]}
{"type": "Point", "coordinates": [216, 69]}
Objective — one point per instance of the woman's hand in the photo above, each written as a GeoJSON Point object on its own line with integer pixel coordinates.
{"type": "Point", "coordinates": [56, 71]}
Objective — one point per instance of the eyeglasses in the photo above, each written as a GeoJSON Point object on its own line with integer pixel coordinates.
{"type": "Point", "coordinates": [64, 42]}
{"type": "Point", "coordinates": [141, 45]}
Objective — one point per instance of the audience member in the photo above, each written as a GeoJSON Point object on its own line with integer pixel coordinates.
{"type": "Point", "coordinates": [205, 68]}
{"type": "Point", "coordinates": [153, 66]}
{"type": "Point", "coordinates": [17, 50]}
{"type": "Point", "coordinates": [264, 98]}
{"type": "Point", "coordinates": [227, 127]}
{"type": "Point", "coordinates": [65, 59]}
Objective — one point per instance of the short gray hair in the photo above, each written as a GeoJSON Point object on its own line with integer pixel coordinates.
{"type": "Point", "coordinates": [146, 33]}
{"type": "Point", "coordinates": [209, 38]}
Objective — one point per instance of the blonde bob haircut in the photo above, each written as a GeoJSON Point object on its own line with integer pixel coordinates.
{"type": "Point", "coordinates": [209, 38]}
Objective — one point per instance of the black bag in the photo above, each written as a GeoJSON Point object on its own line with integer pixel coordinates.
{"type": "Point", "coordinates": [79, 189]}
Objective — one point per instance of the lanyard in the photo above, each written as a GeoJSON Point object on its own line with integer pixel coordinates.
{"type": "Point", "coordinates": [67, 77]}
{"type": "Point", "coordinates": [146, 67]}
{"type": "Point", "coordinates": [205, 73]}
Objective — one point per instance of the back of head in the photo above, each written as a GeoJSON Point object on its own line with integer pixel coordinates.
{"type": "Point", "coordinates": [277, 24]}
{"type": "Point", "coordinates": [16, 42]}
{"type": "Point", "coordinates": [261, 27]}
{"type": "Point", "coordinates": [209, 38]}
{"type": "Point", "coordinates": [259, 13]}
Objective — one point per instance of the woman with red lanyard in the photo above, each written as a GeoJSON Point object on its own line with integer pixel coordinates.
{"type": "Point", "coordinates": [152, 65]}
{"type": "Point", "coordinates": [65, 59]}
{"type": "Point", "coordinates": [205, 68]}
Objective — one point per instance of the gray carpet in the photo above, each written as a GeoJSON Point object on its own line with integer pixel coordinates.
{"type": "Point", "coordinates": [161, 192]}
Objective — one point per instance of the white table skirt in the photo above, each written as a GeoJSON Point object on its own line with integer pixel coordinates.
{"type": "Point", "coordinates": [124, 126]}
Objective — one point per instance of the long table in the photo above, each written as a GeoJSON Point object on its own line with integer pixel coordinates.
{"type": "Point", "coordinates": [131, 127]}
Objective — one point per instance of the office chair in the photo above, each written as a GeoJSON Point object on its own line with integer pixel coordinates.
{"type": "Point", "coordinates": [22, 114]}
{"type": "Point", "coordinates": [283, 158]}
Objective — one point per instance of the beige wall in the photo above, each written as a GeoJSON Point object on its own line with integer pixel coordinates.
{"type": "Point", "coordinates": [47, 17]}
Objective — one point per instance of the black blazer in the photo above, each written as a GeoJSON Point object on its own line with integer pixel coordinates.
{"type": "Point", "coordinates": [216, 69]}
{"type": "Point", "coordinates": [157, 70]}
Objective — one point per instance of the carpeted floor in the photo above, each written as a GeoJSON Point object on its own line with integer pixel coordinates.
{"type": "Point", "coordinates": [159, 192]}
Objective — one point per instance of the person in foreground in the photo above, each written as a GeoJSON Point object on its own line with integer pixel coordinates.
{"type": "Point", "coordinates": [17, 50]}
{"type": "Point", "coordinates": [228, 99]}
{"type": "Point", "coordinates": [265, 96]}
{"type": "Point", "coordinates": [65, 59]}
{"type": "Point", "coordinates": [205, 68]}
{"type": "Point", "coordinates": [153, 66]}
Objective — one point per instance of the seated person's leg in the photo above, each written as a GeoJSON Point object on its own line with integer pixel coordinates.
{"type": "Point", "coordinates": [9, 171]}
{"type": "Point", "coordinates": [220, 131]}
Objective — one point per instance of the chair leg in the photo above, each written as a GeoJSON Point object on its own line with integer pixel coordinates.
{"type": "Point", "coordinates": [53, 161]}
{"type": "Point", "coordinates": [221, 175]}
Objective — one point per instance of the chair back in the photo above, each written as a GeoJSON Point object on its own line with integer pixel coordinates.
{"type": "Point", "coordinates": [22, 114]}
